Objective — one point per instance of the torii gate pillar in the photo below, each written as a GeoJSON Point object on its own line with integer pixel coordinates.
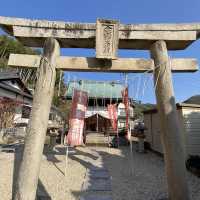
{"type": "Point", "coordinates": [170, 126]}
{"type": "Point", "coordinates": [26, 182]}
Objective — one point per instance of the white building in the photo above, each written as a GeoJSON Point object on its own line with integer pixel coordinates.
{"type": "Point", "coordinates": [189, 118]}
{"type": "Point", "coordinates": [12, 87]}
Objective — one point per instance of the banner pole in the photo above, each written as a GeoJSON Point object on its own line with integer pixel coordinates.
{"type": "Point", "coordinates": [117, 135]}
{"type": "Point", "coordinates": [131, 155]}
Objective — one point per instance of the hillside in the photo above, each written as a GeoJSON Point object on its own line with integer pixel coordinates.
{"type": "Point", "coordinates": [9, 45]}
{"type": "Point", "coordinates": [139, 108]}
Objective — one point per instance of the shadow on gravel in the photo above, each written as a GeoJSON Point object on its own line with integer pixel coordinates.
{"type": "Point", "coordinates": [130, 186]}
{"type": "Point", "coordinates": [42, 193]}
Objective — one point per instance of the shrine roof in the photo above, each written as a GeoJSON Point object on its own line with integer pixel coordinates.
{"type": "Point", "coordinates": [96, 89]}
{"type": "Point", "coordinates": [17, 85]}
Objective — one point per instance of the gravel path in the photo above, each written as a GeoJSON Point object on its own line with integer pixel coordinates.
{"type": "Point", "coordinates": [146, 180]}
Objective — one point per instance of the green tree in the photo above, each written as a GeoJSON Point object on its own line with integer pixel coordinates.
{"type": "Point", "coordinates": [140, 108]}
{"type": "Point", "coordinates": [10, 45]}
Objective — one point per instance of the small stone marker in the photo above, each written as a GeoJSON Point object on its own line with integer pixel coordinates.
{"type": "Point", "coordinates": [107, 38]}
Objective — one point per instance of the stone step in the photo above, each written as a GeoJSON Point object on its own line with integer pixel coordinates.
{"type": "Point", "coordinates": [95, 197]}
{"type": "Point", "coordinates": [98, 174]}
{"type": "Point", "coordinates": [97, 185]}
{"type": "Point", "coordinates": [96, 138]}
{"type": "Point", "coordinates": [97, 179]}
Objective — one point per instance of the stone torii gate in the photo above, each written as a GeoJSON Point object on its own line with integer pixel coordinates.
{"type": "Point", "coordinates": [106, 36]}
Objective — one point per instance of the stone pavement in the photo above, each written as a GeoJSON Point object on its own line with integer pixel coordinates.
{"type": "Point", "coordinates": [97, 184]}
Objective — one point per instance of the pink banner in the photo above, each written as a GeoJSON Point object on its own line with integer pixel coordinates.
{"type": "Point", "coordinates": [126, 103]}
{"type": "Point", "coordinates": [77, 115]}
{"type": "Point", "coordinates": [112, 111]}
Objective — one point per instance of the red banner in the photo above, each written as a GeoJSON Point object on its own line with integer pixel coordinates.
{"type": "Point", "coordinates": [112, 112]}
{"type": "Point", "coordinates": [77, 115]}
{"type": "Point", "coordinates": [126, 103]}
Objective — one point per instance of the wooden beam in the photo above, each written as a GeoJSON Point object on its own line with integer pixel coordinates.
{"type": "Point", "coordinates": [34, 32]}
{"type": "Point", "coordinates": [82, 35]}
{"type": "Point", "coordinates": [25, 188]}
{"type": "Point", "coordinates": [34, 36]}
{"type": "Point", "coordinates": [128, 65]}
{"type": "Point", "coordinates": [171, 131]}
{"type": "Point", "coordinates": [12, 21]}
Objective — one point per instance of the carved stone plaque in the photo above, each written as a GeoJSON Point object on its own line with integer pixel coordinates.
{"type": "Point", "coordinates": [107, 39]}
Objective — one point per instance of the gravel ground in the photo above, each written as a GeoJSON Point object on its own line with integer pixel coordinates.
{"type": "Point", "coordinates": [138, 178]}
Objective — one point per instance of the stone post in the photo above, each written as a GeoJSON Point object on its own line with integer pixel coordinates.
{"type": "Point", "coordinates": [170, 126]}
{"type": "Point", "coordinates": [25, 186]}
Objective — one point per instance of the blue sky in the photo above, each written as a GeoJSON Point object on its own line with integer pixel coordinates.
{"type": "Point", "coordinates": [127, 11]}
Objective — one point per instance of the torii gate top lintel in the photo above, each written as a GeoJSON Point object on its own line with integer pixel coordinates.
{"type": "Point", "coordinates": [106, 36]}
{"type": "Point", "coordinates": [82, 35]}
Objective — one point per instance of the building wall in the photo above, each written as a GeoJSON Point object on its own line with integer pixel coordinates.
{"type": "Point", "coordinates": [122, 116]}
{"type": "Point", "coordinates": [18, 118]}
{"type": "Point", "coordinates": [149, 123]}
{"type": "Point", "coordinates": [148, 126]}
{"type": "Point", "coordinates": [190, 127]}
{"type": "Point", "coordinates": [54, 118]}
{"type": "Point", "coordinates": [192, 130]}
{"type": "Point", "coordinates": [156, 132]}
